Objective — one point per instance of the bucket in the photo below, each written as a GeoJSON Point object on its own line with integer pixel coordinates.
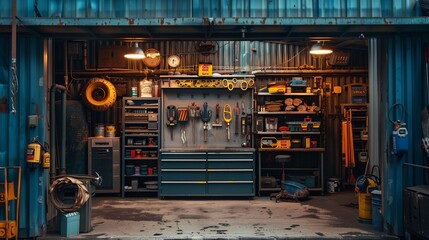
{"type": "Point", "coordinates": [365, 208]}
{"type": "Point", "coordinates": [99, 130]}
{"type": "Point", "coordinates": [377, 222]}
{"type": "Point", "coordinates": [110, 131]}
{"type": "Point", "coordinates": [333, 185]}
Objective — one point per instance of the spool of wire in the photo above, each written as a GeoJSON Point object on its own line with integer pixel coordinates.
{"type": "Point", "coordinates": [68, 185]}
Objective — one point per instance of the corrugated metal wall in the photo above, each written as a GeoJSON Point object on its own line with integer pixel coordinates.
{"type": "Point", "coordinates": [235, 56]}
{"type": "Point", "coordinates": [214, 8]}
{"type": "Point", "coordinates": [15, 133]}
{"type": "Point", "coordinates": [402, 82]}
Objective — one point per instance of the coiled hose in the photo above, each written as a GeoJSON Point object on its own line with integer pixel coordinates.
{"type": "Point", "coordinates": [64, 184]}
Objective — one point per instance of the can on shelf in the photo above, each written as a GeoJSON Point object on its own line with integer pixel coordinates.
{"type": "Point", "coordinates": [133, 91]}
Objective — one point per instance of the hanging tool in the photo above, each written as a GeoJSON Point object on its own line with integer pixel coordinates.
{"type": "Point", "coordinates": [237, 114]}
{"type": "Point", "coordinates": [249, 130]}
{"type": "Point", "coordinates": [195, 114]}
{"type": "Point", "coordinates": [183, 119]}
{"type": "Point", "coordinates": [171, 118]}
{"type": "Point", "coordinates": [217, 122]}
{"type": "Point", "coordinates": [206, 115]}
{"type": "Point", "coordinates": [227, 117]}
{"type": "Point", "coordinates": [243, 120]}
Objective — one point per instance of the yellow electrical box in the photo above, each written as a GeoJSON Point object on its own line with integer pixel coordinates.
{"type": "Point", "coordinates": [33, 154]}
{"type": "Point", "coordinates": [205, 69]}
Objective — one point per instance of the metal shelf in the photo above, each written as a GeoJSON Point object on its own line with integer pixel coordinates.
{"type": "Point", "coordinates": [132, 176]}
{"type": "Point", "coordinates": [287, 133]}
{"type": "Point", "coordinates": [291, 149]}
{"type": "Point", "coordinates": [135, 127]}
{"type": "Point", "coordinates": [286, 113]}
{"type": "Point", "coordinates": [286, 94]}
{"type": "Point", "coordinates": [140, 159]}
{"type": "Point", "coordinates": [295, 169]}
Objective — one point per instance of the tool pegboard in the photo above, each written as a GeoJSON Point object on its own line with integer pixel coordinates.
{"type": "Point", "coordinates": [197, 111]}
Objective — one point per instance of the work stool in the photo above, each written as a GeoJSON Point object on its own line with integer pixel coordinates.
{"type": "Point", "coordinates": [283, 193]}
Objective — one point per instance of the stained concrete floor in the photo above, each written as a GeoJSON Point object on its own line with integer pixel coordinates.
{"type": "Point", "coordinates": [332, 216]}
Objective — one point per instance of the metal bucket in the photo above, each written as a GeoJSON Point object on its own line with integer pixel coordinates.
{"type": "Point", "coordinates": [333, 185]}
{"type": "Point", "coordinates": [99, 130]}
{"type": "Point", "coordinates": [110, 131]}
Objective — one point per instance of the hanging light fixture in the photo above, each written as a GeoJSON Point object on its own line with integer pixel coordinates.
{"type": "Point", "coordinates": [317, 49]}
{"type": "Point", "coordinates": [135, 53]}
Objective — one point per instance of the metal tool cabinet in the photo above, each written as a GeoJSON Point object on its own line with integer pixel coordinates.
{"type": "Point", "coordinates": [207, 173]}
{"type": "Point", "coordinates": [211, 166]}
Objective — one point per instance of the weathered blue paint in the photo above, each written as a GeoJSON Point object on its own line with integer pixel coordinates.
{"type": "Point", "coordinates": [214, 8]}
{"type": "Point", "coordinates": [404, 85]}
{"type": "Point", "coordinates": [15, 134]}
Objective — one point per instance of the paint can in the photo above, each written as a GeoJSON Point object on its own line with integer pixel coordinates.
{"type": "Point", "coordinates": [110, 131]}
{"type": "Point", "coordinates": [333, 185]}
{"type": "Point", "coordinates": [133, 91]}
{"type": "Point", "coordinates": [99, 130]}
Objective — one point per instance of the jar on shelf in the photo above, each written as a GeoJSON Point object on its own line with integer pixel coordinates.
{"type": "Point", "coordinates": [145, 88]}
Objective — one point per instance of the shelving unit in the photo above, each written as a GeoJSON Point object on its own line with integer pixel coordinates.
{"type": "Point", "coordinates": [140, 145]}
{"type": "Point", "coordinates": [359, 122]}
{"type": "Point", "coordinates": [297, 131]}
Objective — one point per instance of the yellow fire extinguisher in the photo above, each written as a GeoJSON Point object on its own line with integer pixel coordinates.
{"type": "Point", "coordinates": [34, 155]}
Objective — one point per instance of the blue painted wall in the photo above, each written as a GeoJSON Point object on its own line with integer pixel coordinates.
{"type": "Point", "coordinates": [403, 81]}
{"type": "Point", "coordinates": [14, 132]}
{"type": "Point", "coordinates": [214, 8]}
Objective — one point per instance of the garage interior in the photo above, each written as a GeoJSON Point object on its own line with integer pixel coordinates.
{"type": "Point", "coordinates": [227, 128]}
{"type": "Point", "coordinates": [331, 85]}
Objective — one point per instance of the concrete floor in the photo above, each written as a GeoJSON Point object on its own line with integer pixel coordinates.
{"type": "Point", "coordinates": [333, 216]}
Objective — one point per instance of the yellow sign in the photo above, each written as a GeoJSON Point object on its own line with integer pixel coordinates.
{"type": "Point", "coordinates": [205, 70]}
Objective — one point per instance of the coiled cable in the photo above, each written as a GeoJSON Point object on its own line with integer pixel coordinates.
{"type": "Point", "coordinates": [63, 184]}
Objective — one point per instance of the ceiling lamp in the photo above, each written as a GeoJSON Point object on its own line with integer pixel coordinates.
{"type": "Point", "coordinates": [135, 53]}
{"type": "Point", "coordinates": [317, 49]}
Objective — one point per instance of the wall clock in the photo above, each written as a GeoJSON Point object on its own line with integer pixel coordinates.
{"type": "Point", "coordinates": [153, 58]}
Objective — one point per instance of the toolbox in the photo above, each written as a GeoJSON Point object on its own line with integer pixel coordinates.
{"type": "Point", "coordinates": [268, 182]}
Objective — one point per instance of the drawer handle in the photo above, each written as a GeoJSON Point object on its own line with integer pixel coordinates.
{"type": "Point", "coordinates": [186, 182]}
{"type": "Point", "coordinates": [229, 170]}
{"type": "Point", "coordinates": [229, 181]}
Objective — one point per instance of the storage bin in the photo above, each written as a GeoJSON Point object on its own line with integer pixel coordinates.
{"type": "Point", "coordinates": [70, 223]}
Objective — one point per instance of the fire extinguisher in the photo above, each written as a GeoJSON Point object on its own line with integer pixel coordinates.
{"type": "Point", "coordinates": [34, 154]}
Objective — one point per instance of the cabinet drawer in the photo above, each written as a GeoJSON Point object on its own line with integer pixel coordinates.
{"type": "Point", "coordinates": [230, 155]}
{"type": "Point", "coordinates": [183, 163]}
{"type": "Point", "coordinates": [184, 175]}
{"type": "Point", "coordinates": [230, 188]}
{"type": "Point", "coordinates": [230, 163]}
{"type": "Point", "coordinates": [230, 175]}
{"type": "Point", "coordinates": [182, 155]}
{"type": "Point", "coordinates": [183, 188]}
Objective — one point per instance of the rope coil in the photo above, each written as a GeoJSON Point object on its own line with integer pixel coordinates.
{"type": "Point", "coordinates": [68, 183]}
